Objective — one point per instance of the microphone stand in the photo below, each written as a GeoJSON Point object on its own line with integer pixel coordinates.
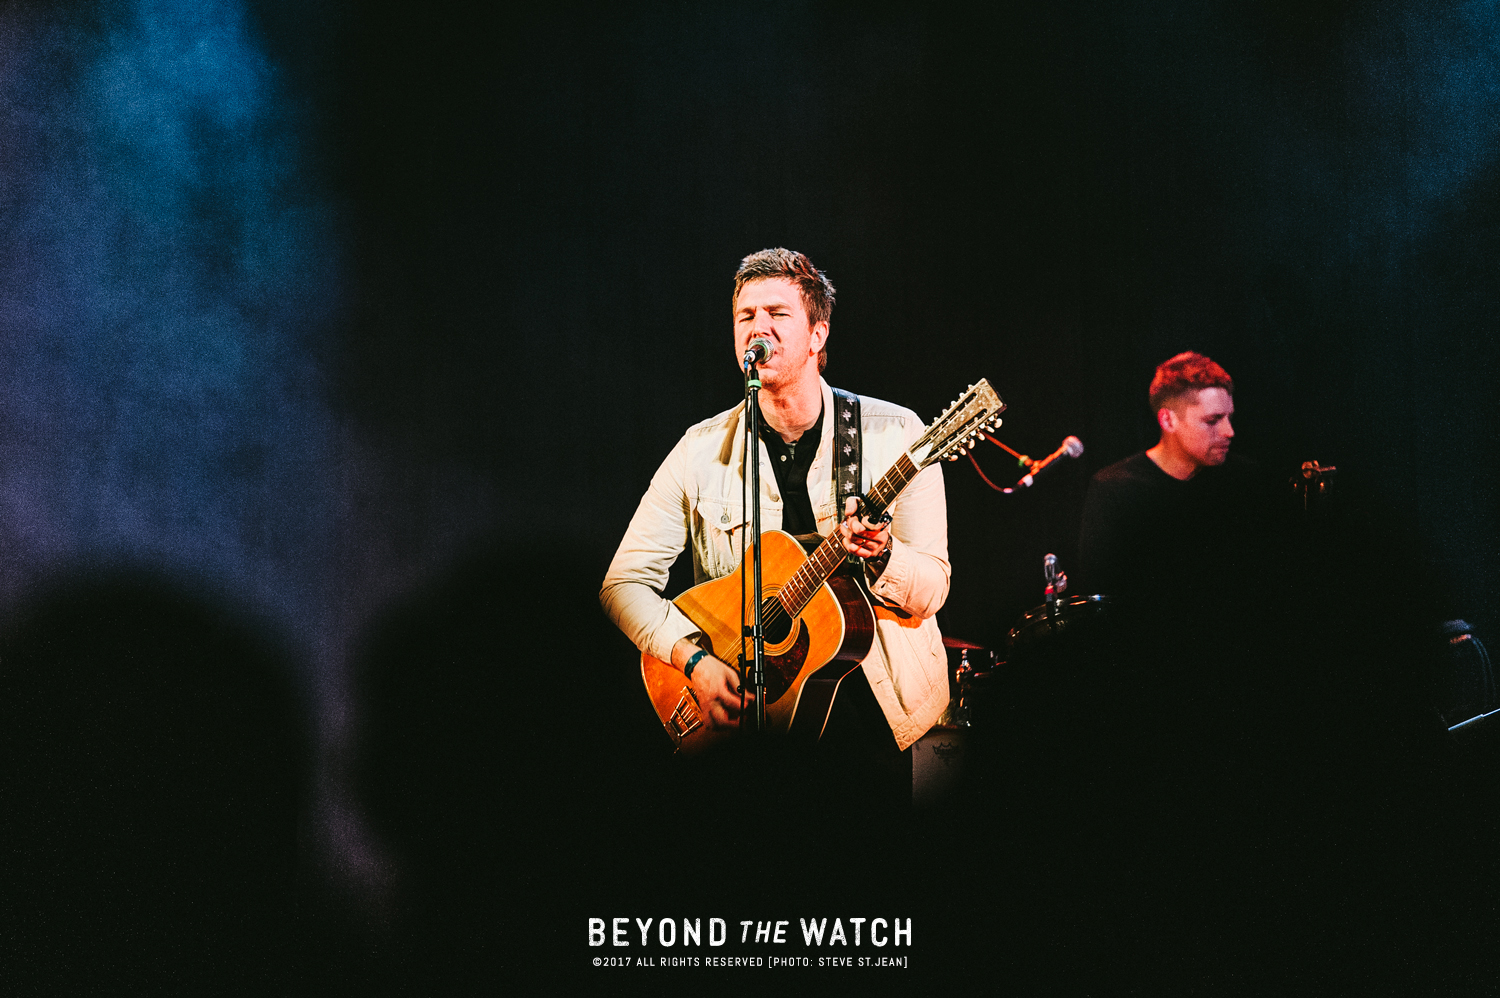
{"type": "Point", "coordinates": [1033, 468]}
{"type": "Point", "coordinates": [756, 632]}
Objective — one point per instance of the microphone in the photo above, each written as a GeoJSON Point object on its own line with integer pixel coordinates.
{"type": "Point", "coordinates": [758, 352]}
{"type": "Point", "coordinates": [1057, 579]}
{"type": "Point", "coordinates": [1071, 447]}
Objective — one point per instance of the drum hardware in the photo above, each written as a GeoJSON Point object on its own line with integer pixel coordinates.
{"type": "Point", "coordinates": [1062, 614]}
{"type": "Point", "coordinates": [967, 680]}
{"type": "Point", "coordinates": [938, 756]}
{"type": "Point", "coordinates": [1312, 480]}
{"type": "Point", "coordinates": [1057, 580]}
{"type": "Point", "coordinates": [961, 643]}
{"type": "Point", "coordinates": [963, 714]}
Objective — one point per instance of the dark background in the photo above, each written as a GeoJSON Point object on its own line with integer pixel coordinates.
{"type": "Point", "coordinates": [1055, 201]}
{"type": "Point", "coordinates": [358, 332]}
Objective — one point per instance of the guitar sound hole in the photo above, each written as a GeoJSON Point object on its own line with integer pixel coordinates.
{"type": "Point", "coordinates": [776, 621]}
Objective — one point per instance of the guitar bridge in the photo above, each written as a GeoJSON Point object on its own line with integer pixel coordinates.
{"type": "Point", "coordinates": [685, 717]}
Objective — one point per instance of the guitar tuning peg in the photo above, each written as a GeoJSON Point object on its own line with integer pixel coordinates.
{"type": "Point", "coordinates": [953, 457]}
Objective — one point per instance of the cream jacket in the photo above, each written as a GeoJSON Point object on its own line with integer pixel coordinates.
{"type": "Point", "coordinates": [695, 498]}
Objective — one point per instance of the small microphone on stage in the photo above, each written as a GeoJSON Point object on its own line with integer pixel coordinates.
{"type": "Point", "coordinates": [758, 352]}
{"type": "Point", "coordinates": [1057, 579]}
{"type": "Point", "coordinates": [1071, 447]}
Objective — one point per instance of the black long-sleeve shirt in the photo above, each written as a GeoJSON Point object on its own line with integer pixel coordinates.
{"type": "Point", "coordinates": [1148, 536]}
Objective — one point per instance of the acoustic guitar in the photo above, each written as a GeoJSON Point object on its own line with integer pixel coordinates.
{"type": "Point", "coordinates": [818, 620]}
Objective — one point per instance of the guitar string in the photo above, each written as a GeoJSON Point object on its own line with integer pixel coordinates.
{"type": "Point", "coordinates": [804, 582]}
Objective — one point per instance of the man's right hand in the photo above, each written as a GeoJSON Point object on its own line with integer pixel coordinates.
{"type": "Point", "coordinates": [716, 686]}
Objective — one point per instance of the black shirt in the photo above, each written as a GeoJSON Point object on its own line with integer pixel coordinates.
{"type": "Point", "coordinates": [791, 462]}
{"type": "Point", "coordinates": [1147, 534]}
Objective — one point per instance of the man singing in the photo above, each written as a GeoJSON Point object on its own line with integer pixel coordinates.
{"type": "Point", "coordinates": [695, 498]}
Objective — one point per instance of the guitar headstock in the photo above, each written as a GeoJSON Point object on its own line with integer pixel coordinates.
{"type": "Point", "coordinates": [959, 426]}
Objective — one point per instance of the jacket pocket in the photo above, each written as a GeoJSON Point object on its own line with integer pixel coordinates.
{"type": "Point", "coordinates": [718, 535]}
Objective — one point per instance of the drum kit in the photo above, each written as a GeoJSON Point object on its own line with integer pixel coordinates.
{"type": "Point", "coordinates": [1041, 627]}
{"type": "Point", "coordinates": [975, 673]}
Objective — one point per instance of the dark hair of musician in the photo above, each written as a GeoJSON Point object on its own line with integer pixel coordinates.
{"type": "Point", "coordinates": [1184, 373]}
{"type": "Point", "coordinates": [817, 290]}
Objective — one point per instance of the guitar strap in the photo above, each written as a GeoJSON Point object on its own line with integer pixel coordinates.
{"type": "Point", "coordinates": [847, 445]}
{"type": "Point", "coordinates": [848, 438]}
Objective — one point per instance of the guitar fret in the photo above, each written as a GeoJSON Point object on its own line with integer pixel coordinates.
{"type": "Point", "coordinates": [799, 589]}
{"type": "Point", "coordinates": [885, 492]}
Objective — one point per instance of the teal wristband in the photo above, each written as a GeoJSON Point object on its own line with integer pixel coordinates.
{"type": "Point", "coordinates": [687, 670]}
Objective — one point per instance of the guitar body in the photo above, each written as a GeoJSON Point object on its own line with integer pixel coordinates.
{"type": "Point", "coordinates": [805, 660]}
{"type": "Point", "coordinates": [818, 621]}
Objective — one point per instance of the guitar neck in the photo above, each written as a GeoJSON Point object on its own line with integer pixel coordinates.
{"type": "Point", "coordinates": [830, 554]}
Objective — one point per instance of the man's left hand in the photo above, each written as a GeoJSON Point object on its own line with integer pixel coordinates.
{"type": "Point", "coordinates": [861, 537]}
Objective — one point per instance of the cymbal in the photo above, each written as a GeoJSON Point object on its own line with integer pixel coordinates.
{"type": "Point", "coordinates": [961, 643]}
